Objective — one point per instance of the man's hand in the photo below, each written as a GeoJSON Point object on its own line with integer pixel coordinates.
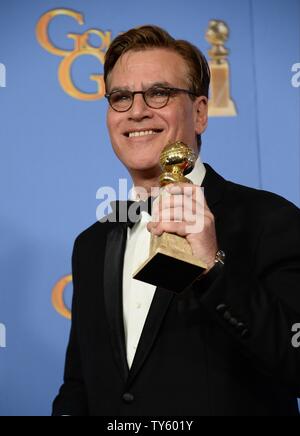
{"type": "Point", "coordinates": [183, 211]}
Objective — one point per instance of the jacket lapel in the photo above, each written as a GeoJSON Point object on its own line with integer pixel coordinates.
{"type": "Point", "coordinates": [113, 278]}
{"type": "Point", "coordinates": [157, 312]}
{"type": "Point", "coordinates": [113, 294]}
{"type": "Point", "coordinates": [214, 186]}
{"type": "Point", "coordinates": [214, 190]}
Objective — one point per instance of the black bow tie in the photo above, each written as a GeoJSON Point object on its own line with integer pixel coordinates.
{"type": "Point", "coordinates": [135, 209]}
{"type": "Point", "coordinates": [130, 211]}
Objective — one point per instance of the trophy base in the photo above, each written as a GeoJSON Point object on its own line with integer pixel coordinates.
{"type": "Point", "coordinates": [172, 273]}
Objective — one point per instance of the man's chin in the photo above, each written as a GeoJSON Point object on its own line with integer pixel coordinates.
{"type": "Point", "coordinates": [146, 170]}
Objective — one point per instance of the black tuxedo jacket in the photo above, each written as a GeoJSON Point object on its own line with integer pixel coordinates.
{"type": "Point", "coordinates": [221, 347]}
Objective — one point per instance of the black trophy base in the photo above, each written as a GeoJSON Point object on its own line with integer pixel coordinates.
{"type": "Point", "coordinates": [169, 272]}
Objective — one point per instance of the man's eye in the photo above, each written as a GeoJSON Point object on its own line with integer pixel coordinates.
{"type": "Point", "coordinates": [158, 92]}
{"type": "Point", "coordinates": [120, 96]}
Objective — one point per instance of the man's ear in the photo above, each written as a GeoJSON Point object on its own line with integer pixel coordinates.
{"type": "Point", "coordinates": [201, 114]}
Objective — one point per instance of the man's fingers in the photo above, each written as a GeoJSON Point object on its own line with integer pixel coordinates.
{"type": "Point", "coordinates": [196, 202]}
{"type": "Point", "coordinates": [179, 228]}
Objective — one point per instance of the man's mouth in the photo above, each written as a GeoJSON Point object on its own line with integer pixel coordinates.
{"type": "Point", "coordinates": [139, 133]}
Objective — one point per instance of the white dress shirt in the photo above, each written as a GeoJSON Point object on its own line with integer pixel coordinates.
{"type": "Point", "coordinates": [138, 296]}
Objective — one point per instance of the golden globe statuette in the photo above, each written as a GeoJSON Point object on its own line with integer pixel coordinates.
{"type": "Point", "coordinates": [171, 264]}
{"type": "Point", "coordinates": [220, 103]}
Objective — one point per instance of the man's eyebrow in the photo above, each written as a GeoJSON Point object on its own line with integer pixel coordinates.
{"type": "Point", "coordinates": [150, 85]}
{"type": "Point", "coordinates": [119, 88]}
{"type": "Point", "coordinates": [161, 84]}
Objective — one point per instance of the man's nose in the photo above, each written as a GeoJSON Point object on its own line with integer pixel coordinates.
{"type": "Point", "coordinates": [139, 109]}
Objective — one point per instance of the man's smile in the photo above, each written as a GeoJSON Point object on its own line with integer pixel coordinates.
{"type": "Point", "coordinates": [142, 132]}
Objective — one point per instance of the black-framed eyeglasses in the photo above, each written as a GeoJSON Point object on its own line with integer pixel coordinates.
{"type": "Point", "coordinates": [156, 97]}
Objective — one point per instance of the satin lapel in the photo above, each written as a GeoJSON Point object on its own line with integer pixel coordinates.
{"type": "Point", "coordinates": [214, 191]}
{"type": "Point", "coordinates": [113, 279]}
{"type": "Point", "coordinates": [214, 187]}
{"type": "Point", "coordinates": [157, 312]}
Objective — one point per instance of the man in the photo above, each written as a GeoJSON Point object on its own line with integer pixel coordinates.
{"type": "Point", "coordinates": [222, 346]}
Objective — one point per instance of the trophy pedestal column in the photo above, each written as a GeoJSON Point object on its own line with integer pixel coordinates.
{"type": "Point", "coordinates": [220, 103]}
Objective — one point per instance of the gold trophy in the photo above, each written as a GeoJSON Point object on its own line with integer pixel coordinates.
{"type": "Point", "coordinates": [171, 264]}
{"type": "Point", "coordinates": [220, 103]}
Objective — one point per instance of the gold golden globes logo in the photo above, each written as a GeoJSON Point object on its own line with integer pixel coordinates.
{"type": "Point", "coordinates": [217, 34]}
{"type": "Point", "coordinates": [58, 293]}
{"type": "Point", "coordinates": [82, 47]}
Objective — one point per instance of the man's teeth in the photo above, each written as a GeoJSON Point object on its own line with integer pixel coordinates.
{"type": "Point", "coordinates": [143, 133]}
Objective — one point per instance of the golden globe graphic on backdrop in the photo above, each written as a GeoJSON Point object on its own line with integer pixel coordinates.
{"type": "Point", "coordinates": [220, 103]}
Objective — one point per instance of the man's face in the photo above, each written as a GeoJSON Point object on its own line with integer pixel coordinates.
{"type": "Point", "coordinates": [181, 120]}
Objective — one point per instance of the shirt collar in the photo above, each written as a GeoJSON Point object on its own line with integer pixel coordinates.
{"type": "Point", "coordinates": [198, 173]}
